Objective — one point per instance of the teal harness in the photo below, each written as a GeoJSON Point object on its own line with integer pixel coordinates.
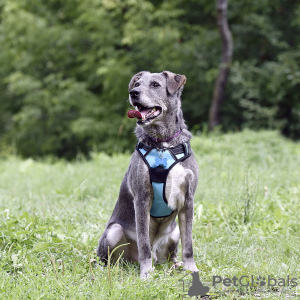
{"type": "Point", "coordinates": [160, 162]}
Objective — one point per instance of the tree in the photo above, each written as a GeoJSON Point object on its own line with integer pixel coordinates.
{"type": "Point", "coordinates": [227, 50]}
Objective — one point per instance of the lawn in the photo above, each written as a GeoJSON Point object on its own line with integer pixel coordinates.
{"type": "Point", "coordinates": [246, 223]}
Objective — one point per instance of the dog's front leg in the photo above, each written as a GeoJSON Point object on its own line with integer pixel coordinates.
{"type": "Point", "coordinates": [142, 218]}
{"type": "Point", "coordinates": [185, 218]}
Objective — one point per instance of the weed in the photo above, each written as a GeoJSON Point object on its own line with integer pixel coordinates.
{"type": "Point", "coordinates": [249, 195]}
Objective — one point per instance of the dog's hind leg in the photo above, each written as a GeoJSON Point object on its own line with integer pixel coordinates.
{"type": "Point", "coordinates": [102, 249]}
{"type": "Point", "coordinates": [113, 237]}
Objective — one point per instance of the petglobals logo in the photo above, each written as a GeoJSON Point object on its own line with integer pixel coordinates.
{"type": "Point", "coordinates": [255, 281]}
{"type": "Point", "coordinates": [193, 286]}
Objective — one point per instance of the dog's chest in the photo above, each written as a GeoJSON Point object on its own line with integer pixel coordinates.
{"type": "Point", "coordinates": [167, 177]}
{"type": "Point", "coordinates": [176, 186]}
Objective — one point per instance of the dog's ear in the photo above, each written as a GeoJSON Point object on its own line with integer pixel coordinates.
{"type": "Point", "coordinates": [174, 81]}
{"type": "Point", "coordinates": [135, 78]}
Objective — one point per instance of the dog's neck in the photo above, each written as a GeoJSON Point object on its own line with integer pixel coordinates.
{"type": "Point", "coordinates": [164, 134]}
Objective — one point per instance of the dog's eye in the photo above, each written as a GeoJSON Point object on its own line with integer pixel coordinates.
{"type": "Point", "coordinates": [136, 84]}
{"type": "Point", "coordinates": [155, 84]}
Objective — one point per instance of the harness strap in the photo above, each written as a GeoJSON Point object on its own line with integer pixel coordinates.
{"type": "Point", "coordinates": [179, 149]}
{"type": "Point", "coordinates": [159, 169]}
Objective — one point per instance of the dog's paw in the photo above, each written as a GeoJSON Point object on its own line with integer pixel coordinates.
{"type": "Point", "coordinates": [190, 266]}
{"type": "Point", "coordinates": [100, 265]}
{"type": "Point", "coordinates": [177, 265]}
{"type": "Point", "coordinates": [146, 273]}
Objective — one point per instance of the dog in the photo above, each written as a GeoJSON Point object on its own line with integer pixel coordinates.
{"type": "Point", "coordinates": [160, 181]}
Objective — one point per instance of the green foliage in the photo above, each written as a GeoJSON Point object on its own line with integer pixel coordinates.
{"type": "Point", "coordinates": [65, 68]}
{"type": "Point", "coordinates": [264, 82]}
{"type": "Point", "coordinates": [52, 215]}
{"type": "Point", "coordinates": [60, 74]}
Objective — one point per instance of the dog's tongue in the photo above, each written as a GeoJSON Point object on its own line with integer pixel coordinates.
{"type": "Point", "coordinates": [134, 114]}
{"type": "Point", "coordinates": [139, 114]}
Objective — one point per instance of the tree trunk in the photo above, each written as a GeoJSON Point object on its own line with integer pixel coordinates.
{"type": "Point", "coordinates": [227, 50]}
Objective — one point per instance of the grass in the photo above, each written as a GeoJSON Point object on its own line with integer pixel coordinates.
{"type": "Point", "coordinates": [246, 222]}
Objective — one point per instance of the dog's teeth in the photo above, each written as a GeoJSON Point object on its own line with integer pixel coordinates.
{"type": "Point", "coordinates": [149, 114]}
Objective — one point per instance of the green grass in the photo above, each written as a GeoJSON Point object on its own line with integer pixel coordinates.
{"type": "Point", "coordinates": [246, 222]}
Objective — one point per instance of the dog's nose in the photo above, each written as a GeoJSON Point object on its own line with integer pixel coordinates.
{"type": "Point", "coordinates": [134, 93]}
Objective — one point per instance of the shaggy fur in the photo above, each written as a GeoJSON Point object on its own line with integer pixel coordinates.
{"type": "Point", "coordinates": [131, 222]}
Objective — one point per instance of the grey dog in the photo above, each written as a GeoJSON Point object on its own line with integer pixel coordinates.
{"type": "Point", "coordinates": [160, 130]}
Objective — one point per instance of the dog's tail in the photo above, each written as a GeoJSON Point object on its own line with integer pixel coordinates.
{"type": "Point", "coordinates": [102, 249]}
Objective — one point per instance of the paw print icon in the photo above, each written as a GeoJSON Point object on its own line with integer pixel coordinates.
{"type": "Point", "coordinates": [197, 288]}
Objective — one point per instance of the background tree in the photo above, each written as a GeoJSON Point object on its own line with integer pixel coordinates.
{"type": "Point", "coordinates": [227, 51]}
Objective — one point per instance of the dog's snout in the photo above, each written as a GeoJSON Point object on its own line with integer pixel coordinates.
{"type": "Point", "coordinates": [134, 93]}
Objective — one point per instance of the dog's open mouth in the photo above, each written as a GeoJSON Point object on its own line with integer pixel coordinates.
{"type": "Point", "coordinates": [148, 113]}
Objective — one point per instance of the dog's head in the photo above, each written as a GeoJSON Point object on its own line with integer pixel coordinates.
{"type": "Point", "coordinates": [156, 95]}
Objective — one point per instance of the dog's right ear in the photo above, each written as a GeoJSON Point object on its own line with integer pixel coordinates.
{"type": "Point", "coordinates": [135, 78]}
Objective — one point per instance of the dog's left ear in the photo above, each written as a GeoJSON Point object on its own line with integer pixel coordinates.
{"type": "Point", "coordinates": [174, 81]}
